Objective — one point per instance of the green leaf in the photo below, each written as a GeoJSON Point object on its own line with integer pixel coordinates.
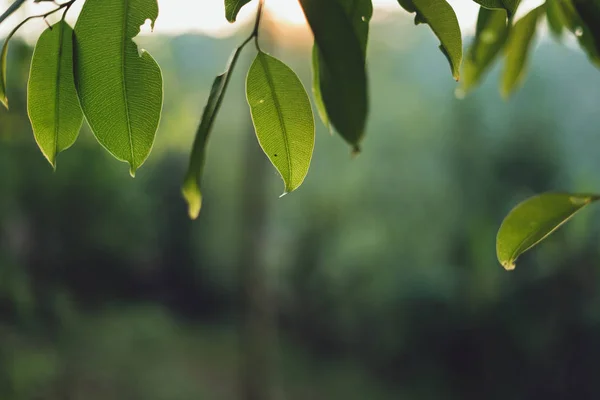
{"type": "Point", "coordinates": [52, 101]}
{"type": "Point", "coordinates": [316, 88]}
{"type": "Point", "coordinates": [120, 89]}
{"type": "Point", "coordinates": [440, 16]}
{"type": "Point", "coordinates": [556, 17]}
{"type": "Point", "coordinates": [589, 33]}
{"type": "Point", "coordinates": [342, 71]}
{"type": "Point", "coordinates": [509, 5]}
{"type": "Point", "coordinates": [490, 36]}
{"type": "Point", "coordinates": [533, 220]}
{"type": "Point", "coordinates": [3, 64]}
{"type": "Point", "coordinates": [360, 13]}
{"type": "Point", "coordinates": [282, 118]}
{"type": "Point", "coordinates": [233, 7]}
{"type": "Point", "coordinates": [517, 49]}
{"type": "Point", "coordinates": [191, 186]}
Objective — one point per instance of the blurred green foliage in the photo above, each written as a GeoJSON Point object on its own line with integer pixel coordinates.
{"type": "Point", "coordinates": [383, 267]}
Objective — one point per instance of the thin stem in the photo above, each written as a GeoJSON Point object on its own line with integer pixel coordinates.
{"type": "Point", "coordinates": [254, 34]}
{"type": "Point", "coordinates": [66, 5]}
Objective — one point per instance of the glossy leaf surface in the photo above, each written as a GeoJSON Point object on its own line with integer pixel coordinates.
{"type": "Point", "coordinates": [342, 71]}
{"type": "Point", "coordinates": [440, 16]}
{"type": "Point", "coordinates": [360, 13]}
{"type": "Point", "coordinates": [533, 220]}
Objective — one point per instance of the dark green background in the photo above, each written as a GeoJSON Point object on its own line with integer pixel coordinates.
{"type": "Point", "coordinates": [381, 269]}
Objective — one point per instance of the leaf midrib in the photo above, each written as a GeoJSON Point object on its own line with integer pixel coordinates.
{"type": "Point", "coordinates": [57, 95]}
{"type": "Point", "coordinates": [125, 97]}
{"type": "Point", "coordinates": [279, 115]}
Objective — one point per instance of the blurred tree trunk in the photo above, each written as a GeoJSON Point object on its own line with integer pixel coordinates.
{"type": "Point", "coordinates": [257, 315]}
{"type": "Point", "coordinates": [258, 318]}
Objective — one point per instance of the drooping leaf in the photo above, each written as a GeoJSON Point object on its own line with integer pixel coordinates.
{"type": "Point", "coordinates": [316, 88]}
{"type": "Point", "coordinates": [360, 13]}
{"type": "Point", "coordinates": [509, 5]}
{"type": "Point", "coordinates": [233, 7]}
{"type": "Point", "coordinates": [282, 118]}
{"type": "Point", "coordinates": [3, 65]}
{"type": "Point", "coordinates": [11, 9]}
{"type": "Point", "coordinates": [556, 17]}
{"type": "Point", "coordinates": [517, 48]}
{"type": "Point", "coordinates": [589, 33]}
{"type": "Point", "coordinates": [440, 16]}
{"type": "Point", "coordinates": [120, 89]}
{"type": "Point", "coordinates": [191, 189]}
{"type": "Point", "coordinates": [342, 71]}
{"type": "Point", "coordinates": [52, 101]}
{"type": "Point", "coordinates": [533, 220]}
{"type": "Point", "coordinates": [490, 37]}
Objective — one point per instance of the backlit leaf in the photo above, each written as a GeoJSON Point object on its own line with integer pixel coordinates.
{"type": "Point", "coordinates": [192, 184]}
{"type": "Point", "coordinates": [440, 16]}
{"type": "Point", "coordinates": [517, 48]}
{"type": "Point", "coordinates": [490, 37]}
{"type": "Point", "coordinates": [120, 88]}
{"type": "Point", "coordinates": [533, 220]}
{"type": "Point", "coordinates": [342, 71]}
{"type": "Point", "coordinates": [509, 5]}
{"type": "Point", "coordinates": [52, 102]}
{"type": "Point", "coordinates": [360, 13]}
{"type": "Point", "coordinates": [233, 7]}
{"type": "Point", "coordinates": [282, 118]}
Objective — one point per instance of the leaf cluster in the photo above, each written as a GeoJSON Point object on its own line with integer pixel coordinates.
{"type": "Point", "coordinates": [96, 72]}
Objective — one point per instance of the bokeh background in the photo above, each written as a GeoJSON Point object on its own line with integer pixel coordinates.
{"type": "Point", "coordinates": [376, 280]}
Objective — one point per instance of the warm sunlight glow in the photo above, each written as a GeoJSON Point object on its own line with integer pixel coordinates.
{"type": "Point", "coordinates": [208, 16]}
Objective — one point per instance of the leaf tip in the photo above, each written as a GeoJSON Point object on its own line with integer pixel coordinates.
{"type": "Point", "coordinates": [4, 101]}
{"type": "Point", "coordinates": [192, 195]}
{"type": "Point", "coordinates": [284, 193]}
{"type": "Point", "coordinates": [509, 265]}
{"type": "Point", "coordinates": [356, 150]}
{"type": "Point", "coordinates": [132, 171]}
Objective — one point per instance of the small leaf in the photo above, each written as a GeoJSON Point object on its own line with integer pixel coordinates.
{"type": "Point", "coordinates": [517, 49]}
{"type": "Point", "coordinates": [191, 186]}
{"type": "Point", "coordinates": [120, 88]}
{"type": "Point", "coordinates": [509, 5]}
{"type": "Point", "coordinates": [440, 16]}
{"type": "Point", "coordinates": [490, 36]}
{"type": "Point", "coordinates": [342, 71]}
{"type": "Point", "coordinates": [233, 7]}
{"type": "Point", "coordinates": [533, 220]}
{"type": "Point", "coordinates": [52, 102]}
{"type": "Point", "coordinates": [282, 118]}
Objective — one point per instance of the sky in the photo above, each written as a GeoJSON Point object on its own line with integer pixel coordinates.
{"type": "Point", "coordinates": [208, 16]}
